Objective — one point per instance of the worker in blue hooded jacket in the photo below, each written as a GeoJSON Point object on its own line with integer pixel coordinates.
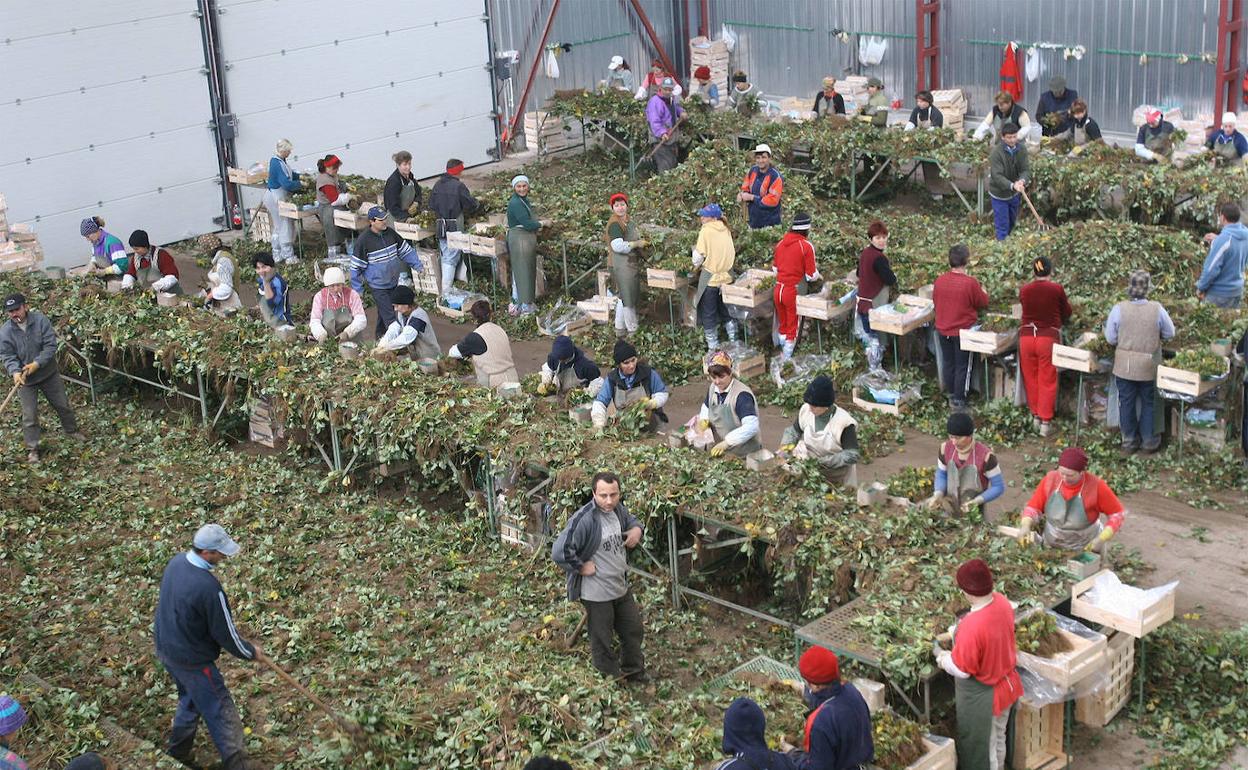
{"type": "Point", "coordinates": [745, 740]}
{"type": "Point", "coordinates": [1221, 280]}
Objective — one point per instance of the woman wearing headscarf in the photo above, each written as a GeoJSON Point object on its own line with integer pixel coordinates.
{"type": "Point", "coordinates": [624, 242]}
{"type": "Point", "coordinates": [715, 255]}
{"type": "Point", "coordinates": [1136, 328]}
{"type": "Point", "coordinates": [108, 254]}
{"type": "Point", "coordinates": [401, 196]}
{"type": "Point", "coordinates": [1045, 310]}
{"type": "Point", "coordinates": [729, 410]}
{"type": "Point", "coordinates": [745, 740]}
{"type": "Point", "coordinates": [282, 182]}
{"type": "Point", "coordinates": [522, 229]}
{"type": "Point", "coordinates": [331, 194]}
{"type": "Point", "coordinates": [1071, 500]}
{"type": "Point", "coordinates": [828, 101]}
{"type": "Point", "coordinates": [220, 296]}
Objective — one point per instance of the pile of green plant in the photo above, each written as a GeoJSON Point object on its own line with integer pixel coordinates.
{"type": "Point", "coordinates": [1038, 634]}
{"type": "Point", "coordinates": [915, 483]}
{"type": "Point", "coordinates": [898, 741]}
{"type": "Point", "coordinates": [1203, 362]}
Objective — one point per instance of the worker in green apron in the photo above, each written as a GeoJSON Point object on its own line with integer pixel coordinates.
{"type": "Point", "coordinates": [729, 410]}
{"type": "Point", "coordinates": [1228, 145]}
{"type": "Point", "coordinates": [983, 664]}
{"type": "Point", "coordinates": [522, 229]}
{"type": "Point", "coordinates": [1072, 500]}
{"type": "Point", "coordinates": [967, 472]}
{"type": "Point", "coordinates": [825, 433]}
{"type": "Point", "coordinates": [623, 247]}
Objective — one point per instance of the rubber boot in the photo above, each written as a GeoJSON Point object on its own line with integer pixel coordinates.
{"type": "Point", "coordinates": [183, 751]}
{"type": "Point", "coordinates": [786, 351]}
{"type": "Point", "coordinates": [875, 355]}
{"type": "Point", "coordinates": [334, 252]}
{"type": "Point", "coordinates": [448, 278]}
{"type": "Point", "coordinates": [730, 326]}
{"type": "Point", "coordinates": [236, 761]}
{"type": "Point", "coordinates": [712, 341]}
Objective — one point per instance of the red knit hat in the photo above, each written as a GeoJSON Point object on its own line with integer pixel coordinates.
{"type": "Point", "coordinates": [975, 578]}
{"type": "Point", "coordinates": [1073, 458]}
{"type": "Point", "coordinates": [819, 665]}
{"type": "Point", "coordinates": [702, 73]}
{"type": "Point", "coordinates": [618, 197]}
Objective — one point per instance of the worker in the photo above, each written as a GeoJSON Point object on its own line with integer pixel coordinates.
{"type": "Point", "coordinates": [762, 189]}
{"type": "Point", "coordinates": [875, 111]}
{"type": "Point", "coordinates": [568, 368]}
{"type": "Point", "coordinates": [729, 410]}
{"type": "Point", "coordinates": [1136, 328]}
{"type": "Point", "coordinates": [624, 244]}
{"type": "Point", "coordinates": [1045, 311]}
{"type": "Point", "coordinates": [1009, 171]}
{"type": "Point", "coordinates": [449, 201]}
{"type": "Point", "coordinates": [545, 762]}
{"type": "Point", "coordinates": [220, 296]}
{"type": "Point", "coordinates": [28, 352]}
{"type": "Point", "coordinates": [714, 254]}
{"type": "Point", "coordinates": [1054, 110]}
{"type": "Point", "coordinates": [1229, 146]}
{"type": "Point", "coordinates": [630, 384]}
{"type": "Point", "coordinates": [88, 761]}
{"type": "Point", "coordinates": [619, 75]}
{"type": "Point", "coordinates": [925, 114]}
{"type": "Point", "coordinates": [653, 81]}
{"type": "Point", "coordinates": [968, 474]}
{"type": "Point", "coordinates": [663, 114]}
{"type": "Point", "coordinates": [1155, 139]}
{"type": "Point", "coordinates": [1242, 348]}
{"type": "Point", "coordinates": [838, 726]}
{"type": "Point", "coordinates": [331, 194]}
{"type": "Point", "coordinates": [153, 268]}
{"type": "Point", "coordinates": [411, 331]}
{"type": "Point", "coordinates": [522, 229]}
{"type": "Point", "coordinates": [876, 280]}
{"type": "Point", "coordinates": [983, 664]}
{"type": "Point", "coordinates": [706, 90]}
{"type": "Point", "coordinates": [274, 293]}
{"type": "Point", "coordinates": [1072, 501]}
{"type": "Point", "coordinates": [402, 195]}
{"type": "Point", "coordinates": [1221, 281]}
{"type": "Point", "coordinates": [1082, 130]}
{"type": "Point", "coordinates": [280, 184]}
{"type": "Point", "coordinates": [745, 740]}
{"type": "Point", "coordinates": [958, 298]}
{"type": "Point", "coordinates": [193, 625]}
{"type": "Point", "coordinates": [108, 256]}
{"type": "Point", "coordinates": [593, 550]}
{"type": "Point", "coordinates": [12, 717]}
{"type": "Point", "coordinates": [337, 309]}
{"type": "Point", "coordinates": [793, 262]}
{"type": "Point", "coordinates": [379, 255]}
{"type": "Point", "coordinates": [1004, 111]}
{"type": "Point", "coordinates": [489, 348]}
{"type": "Point", "coordinates": [743, 96]}
{"type": "Point", "coordinates": [828, 101]}
{"type": "Point", "coordinates": [825, 433]}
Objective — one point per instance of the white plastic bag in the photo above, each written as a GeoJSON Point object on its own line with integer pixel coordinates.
{"type": "Point", "coordinates": [552, 65]}
{"type": "Point", "coordinates": [1033, 66]}
{"type": "Point", "coordinates": [1110, 593]}
{"type": "Point", "coordinates": [871, 50]}
{"type": "Point", "coordinates": [730, 37]}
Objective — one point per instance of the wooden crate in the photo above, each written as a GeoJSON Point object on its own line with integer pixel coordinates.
{"type": "Point", "coordinates": [745, 291]}
{"type": "Point", "coordinates": [920, 311]}
{"type": "Point", "coordinates": [1067, 668]}
{"type": "Point", "coordinates": [1074, 357]}
{"type": "Point", "coordinates": [350, 219]}
{"type": "Point", "coordinates": [751, 366]}
{"type": "Point", "coordinates": [1185, 382]}
{"type": "Point", "coordinates": [426, 280]}
{"type": "Point", "coordinates": [458, 240]}
{"type": "Point", "coordinates": [1100, 707]}
{"type": "Point", "coordinates": [574, 326]}
{"type": "Point", "coordinates": [485, 246]}
{"type": "Point", "coordinates": [875, 406]}
{"type": "Point", "coordinates": [512, 531]}
{"type": "Point", "coordinates": [288, 210]}
{"type": "Point", "coordinates": [823, 308]}
{"type": "Point", "coordinates": [1038, 734]}
{"type": "Point", "coordinates": [1161, 611]}
{"type": "Point", "coordinates": [657, 278]}
{"type": "Point", "coordinates": [941, 754]}
{"type": "Point", "coordinates": [412, 232]}
{"type": "Point", "coordinates": [598, 308]}
{"type": "Point", "coordinates": [988, 343]}
{"type": "Point", "coordinates": [244, 177]}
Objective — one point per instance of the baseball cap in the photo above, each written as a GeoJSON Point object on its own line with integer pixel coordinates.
{"type": "Point", "coordinates": [667, 83]}
{"type": "Point", "coordinates": [763, 148]}
{"type": "Point", "coordinates": [711, 210]}
{"type": "Point", "coordinates": [14, 301]}
{"type": "Point", "coordinates": [376, 212]}
{"type": "Point", "coordinates": [615, 63]}
{"type": "Point", "coordinates": [212, 537]}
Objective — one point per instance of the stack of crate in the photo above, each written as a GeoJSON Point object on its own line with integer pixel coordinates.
{"type": "Point", "coordinates": [548, 133]}
{"type": "Point", "coordinates": [712, 54]}
{"type": "Point", "coordinates": [19, 246]}
{"type": "Point", "coordinates": [952, 105]}
{"type": "Point", "coordinates": [265, 428]}
{"type": "Point", "coordinates": [853, 90]}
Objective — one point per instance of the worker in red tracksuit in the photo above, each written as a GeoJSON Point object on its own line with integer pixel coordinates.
{"type": "Point", "coordinates": [1045, 310]}
{"type": "Point", "coordinates": [762, 189]}
{"type": "Point", "coordinates": [794, 261]}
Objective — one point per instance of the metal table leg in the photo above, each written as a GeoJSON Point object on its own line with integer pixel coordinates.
{"type": "Point", "coordinates": [673, 560]}
{"type": "Point", "coordinates": [203, 396]}
{"type": "Point", "coordinates": [671, 316]}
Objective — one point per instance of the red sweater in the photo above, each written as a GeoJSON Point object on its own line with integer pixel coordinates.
{"type": "Point", "coordinates": [1045, 305]}
{"type": "Point", "coordinates": [984, 647]}
{"type": "Point", "coordinates": [1098, 498]}
{"type": "Point", "coordinates": [958, 298]}
{"type": "Point", "coordinates": [794, 259]}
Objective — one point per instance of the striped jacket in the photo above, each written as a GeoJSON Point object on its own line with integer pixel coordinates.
{"type": "Point", "coordinates": [377, 257]}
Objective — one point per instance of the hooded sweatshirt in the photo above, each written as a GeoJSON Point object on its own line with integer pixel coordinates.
{"type": "Point", "coordinates": [1223, 273]}
{"type": "Point", "coordinates": [715, 244]}
{"type": "Point", "coordinates": [745, 740]}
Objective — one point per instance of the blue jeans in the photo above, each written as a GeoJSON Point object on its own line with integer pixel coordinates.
{"type": "Point", "coordinates": [385, 309]}
{"type": "Point", "coordinates": [1137, 431]}
{"type": "Point", "coordinates": [1229, 302]}
{"type": "Point", "coordinates": [1004, 215]}
{"type": "Point", "coordinates": [202, 695]}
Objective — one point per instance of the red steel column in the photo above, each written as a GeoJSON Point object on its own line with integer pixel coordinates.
{"type": "Point", "coordinates": [927, 57]}
{"type": "Point", "coordinates": [537, 60]}
{"type": "Point", "coordinates": [1226, 85]}
{"type": "Point", "coordinates": [654, 38]}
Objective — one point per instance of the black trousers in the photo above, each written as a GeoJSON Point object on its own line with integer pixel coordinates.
{"type": "Point", "coordinates": [955, 367]}
{"type": "Point", "coordinates": [619, 617]}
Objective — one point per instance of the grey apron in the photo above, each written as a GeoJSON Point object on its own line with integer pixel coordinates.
{"type": "Point", "coordinates": [704, 281]}
{"type": "Point", "coordinates": [266, 312]}
{"type": "Point", "coordinates": [146, 276]}
{"type": "Point", "coordinates": [336, 321]}
{"type": "Point", "coordinates": [407, 193]}
{"type": "Point", "coordinates": [1158, 143]}
{"type": "Point", "coordinates": [1227, 154]}
{"type": "Point", "coordinates": [973, 700]}
{"type": "Point", "coordinates": [624, 399]}
{"type": "Point", "coordinates": [624, 271]}
{"type": "Point", "coordinates": [1066, 523]}
{"type": "Point", "coordinates": [522, 249]}
{"type": "Point", "coordinates": [963, 483]}
{"type": "Point", "coordinates": [723, 419]}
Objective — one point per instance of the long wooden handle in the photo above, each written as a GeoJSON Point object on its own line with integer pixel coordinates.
{"type": "Point", "coordinates": [9, 397]}
{"type": "Point", "coordinates": [1027, 198]}
{"type": "Point", "coordinates": [290, 680]}
{"type": "Point", "coordinates": [662, 142]}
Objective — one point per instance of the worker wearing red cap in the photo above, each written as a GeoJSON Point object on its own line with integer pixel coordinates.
{"type": "Point", "coordinates": [705, 89]}
{"type": "Point", "coordinates": [1153, 142]}
{"type": "Point", "coordinates": [1071, 500]}
{"type": "Point", "coordinates": [983, 666]}
{"type": "Point", "coordinates": [838, 727]}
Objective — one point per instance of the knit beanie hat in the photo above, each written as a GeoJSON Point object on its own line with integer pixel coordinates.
{"type": "Point", "coordinates": [819, 666]}
{"type": "Point", "coordinates": [702, 73]}
{"type": "Point", "coordinates": [960, 424]}
{"type": "Point", "coordinates": [88, 761]}
{"type": "Point", "coordinates": [1139, 284]}
{"type": "Point", "coordinates": [563, 349]}
{"type": "Point", "coordinates": [87, 227]}
{"type": "Point", "coordinates": [139, 238]}
{"type": "Point", "coordinates": [12, 715]}
{"type": "Point", "coordinates": [1073, 458]}
{"type": "Point", "coordinates": [403, 295]}
{"type": "Point", "coordinates": [624, 350]}
{"type": "Point", "coordinates": [820, 391]}
{"type": "Point", "coordinates": [740, 77]}
{"type": "Point", "coordinates": [975, 578]}
{"type": "Point", "coordinates": [801, 221]}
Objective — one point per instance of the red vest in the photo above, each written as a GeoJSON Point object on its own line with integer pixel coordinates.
{"type": "Point", "coordinates": [869, 284]}
{"type": "Point", "coordinates": [979, 456]}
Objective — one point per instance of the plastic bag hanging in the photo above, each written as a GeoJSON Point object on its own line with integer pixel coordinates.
{"type": "Point", "coordinates": [552, 64]}
{"type": "Point", "coordinates": [1034, 65]}
{"type": "Point", "coordinates": [729, 37]}
{"type": "Point", "coordinates": [871, 50]}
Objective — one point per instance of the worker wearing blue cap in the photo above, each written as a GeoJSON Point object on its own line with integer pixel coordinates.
{"type": "Point", "coordinates": [715, 255]}
{"type": "Point", "coordinates": [378, 253]}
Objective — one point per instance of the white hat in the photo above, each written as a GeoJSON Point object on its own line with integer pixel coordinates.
{"type": "Point", "coordinates": [762, 148]}
{"type": "Point", "coordinates": [1229, 117]}
{"type": "Point", "coordinates": [616, 61]}
{"type": "Point", "coordinates": [222, 291]}
{"type": "Point", "coordinates": [212, 537]}
{"type": "Point", "coordinates": [333, 276]}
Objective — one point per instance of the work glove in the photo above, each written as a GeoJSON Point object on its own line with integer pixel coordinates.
{"type": "Point", "coordinates": [112, 270]}
{"type": "Point", "coordinates": [640, 243]}
{"type": "Point", "coordinates": [704, 425]}
{"type": "Point", "coordinates": [652, 403]}
{"type": "Point", "coordinates": [719, 449]}
{"type": "Point", "coordinates": [1104, 537]}
{"type": "Point", "coordinates": [30, 368]}
{"type": "Point", "coordinates": [1161, 159]}
{"type": "Point", "coordinates": [934, 501]}
{"type": "Point", "coordinates": [786, 448]}
{"type": "Point", "coordinates": [19, 378]}
{"type": "Point", "coordinates": [1024, 531]}
{"type": "Point", "coordinates": [545, 389]}
{"type": "Point", "coordinates": [1077, 150]}
{"type": "Point", "coordinates": [413, 209]}
{"type": "Point", "coordinates": [344, 199]}
{"type": "Point", "coordinates": [977, 500]}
